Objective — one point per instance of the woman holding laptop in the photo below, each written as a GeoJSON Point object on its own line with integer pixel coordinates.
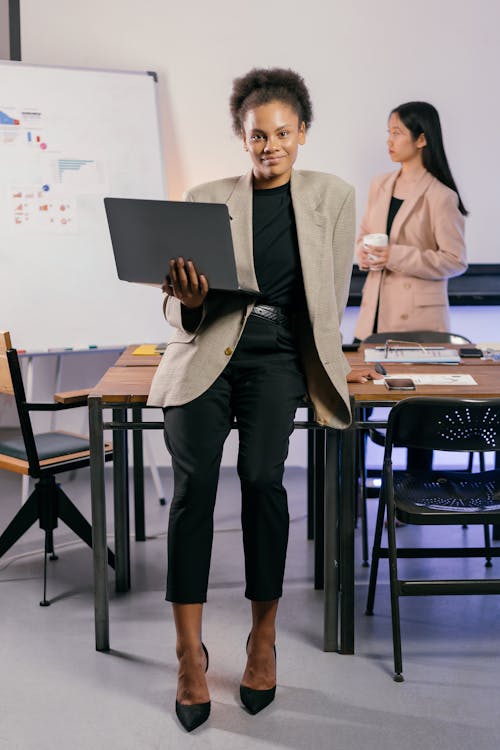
{"type": "Point", "coordinates": [253, 360]}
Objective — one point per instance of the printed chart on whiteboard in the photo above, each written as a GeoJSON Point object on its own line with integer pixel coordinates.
{"type": "Point", "coordinates": [43, 180]}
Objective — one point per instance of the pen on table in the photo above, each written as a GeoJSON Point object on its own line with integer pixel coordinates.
{"type": "Point", "coordinates": [411, 348]}
{"type": "Point", "coordinates": [380, 368]}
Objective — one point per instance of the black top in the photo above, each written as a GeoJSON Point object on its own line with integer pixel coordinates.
{"type": "Point", "coordinates": [276, 248]}
{"type": "Point", "coordinates": [394, 207]}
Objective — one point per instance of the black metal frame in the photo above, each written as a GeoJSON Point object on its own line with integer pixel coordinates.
{"type": "Point", "coordinates": [15, 29]}
{"type": "Point", "coordinates": [48, 502]}
{"type": "Point", "coordinates": [387, 503]}
{"type": "Point", "coordinates": [329, 540]}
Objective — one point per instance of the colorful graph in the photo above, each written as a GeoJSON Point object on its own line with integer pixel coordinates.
{"type": "Point", "coordinates": [71, 165]}
{"type": "Point", "coordinates": [5, 119]}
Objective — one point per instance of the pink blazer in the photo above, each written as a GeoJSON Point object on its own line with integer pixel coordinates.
{"type": "Point", "coordinates": [427, 248]}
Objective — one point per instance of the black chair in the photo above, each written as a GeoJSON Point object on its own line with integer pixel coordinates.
{"type": "Point", "coordinates": [436, 497]}
{"type": "Point", "coordinates": [377, 435]}
{"type": "Point", "coordinates": [42, 457]}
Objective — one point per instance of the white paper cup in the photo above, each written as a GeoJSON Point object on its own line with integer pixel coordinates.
{"type": "Point", "coordinates": [375, 240]}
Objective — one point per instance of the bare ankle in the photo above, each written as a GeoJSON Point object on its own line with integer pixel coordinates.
{"type": "Point", "coordinates": [262, 634]}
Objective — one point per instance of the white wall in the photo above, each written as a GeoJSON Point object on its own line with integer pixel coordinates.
{"type": "Point", "coordinates": [359, 59]}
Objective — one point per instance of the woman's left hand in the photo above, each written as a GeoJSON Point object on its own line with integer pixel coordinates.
{"type": "Point", "coordinates": [362, 375]}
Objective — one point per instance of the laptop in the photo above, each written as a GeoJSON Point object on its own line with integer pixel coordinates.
{"type": "Point", "coordinates": [146, 234]}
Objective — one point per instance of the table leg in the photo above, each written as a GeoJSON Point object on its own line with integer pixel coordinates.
{"type": "Point", "coordinates": [496, 526]}
{"type": "Point", "coordinates": [331, 543]}
{"type": "Point", "coordinates": [120, 484]}
{"type": "Point", "coordinates": [319, 494]}
{"type": "Point", "coordinates": [99, 546]}
{"type": "Point", "coordinates": [310, 475]}
{"type": "Point", "coordinates": [155, 474]}
{"type": "Point", "coordinates": [347, 522]}
{"type": "Point", "coordinates": [140, 524]}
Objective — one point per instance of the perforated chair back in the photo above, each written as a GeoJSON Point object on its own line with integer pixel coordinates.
{"type": "Point", "coordinates": [447, 424]}
{"type": "Point", "coordinates": [420, 337]}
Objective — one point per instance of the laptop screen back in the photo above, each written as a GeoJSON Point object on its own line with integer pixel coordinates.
{"type": "Point", "coordinates": [146, 234]}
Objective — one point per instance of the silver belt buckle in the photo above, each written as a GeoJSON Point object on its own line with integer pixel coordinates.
{"type": "Point", "coordinates": [270, 312]}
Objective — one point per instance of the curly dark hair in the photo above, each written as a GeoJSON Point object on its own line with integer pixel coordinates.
{"type": "Point", "coordinates": [263, 85]}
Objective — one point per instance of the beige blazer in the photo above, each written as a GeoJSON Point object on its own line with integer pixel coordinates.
{"type": "Point", "coordinates": [427, 248]}
{"type": "Point", "coordinates": [324, 215]}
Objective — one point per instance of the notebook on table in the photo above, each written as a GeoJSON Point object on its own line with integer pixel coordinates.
{"type": "Point", "coordinates": [413, 354]}
{"type": "Point", "coordinates": [146, 234]}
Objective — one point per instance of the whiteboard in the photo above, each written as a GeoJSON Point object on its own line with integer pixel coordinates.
{"type": "Point", "coordinates": [68, 138]}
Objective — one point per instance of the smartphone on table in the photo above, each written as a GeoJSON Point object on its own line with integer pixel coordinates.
{"type": "Point", "coordinates": [399, 384]}
{"type": "Point", "coordinates": [468, 351]}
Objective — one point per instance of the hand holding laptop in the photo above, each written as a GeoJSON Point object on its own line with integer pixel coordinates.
{"type": "Point", "coordinates": [184, 283]}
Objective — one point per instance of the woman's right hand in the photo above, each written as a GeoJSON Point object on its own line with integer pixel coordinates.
{"type": "Point", "coordinates": [363, 260]}
{"type": "Point", "coordinates": [373, 258]}
{"type": "Point", "coordinates": [185, 284]}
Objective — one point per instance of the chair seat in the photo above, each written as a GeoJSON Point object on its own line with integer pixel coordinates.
{"type": "Point", "coordinates": [48, 444]}
{"type": "Point", "coordinates": [428, 497]}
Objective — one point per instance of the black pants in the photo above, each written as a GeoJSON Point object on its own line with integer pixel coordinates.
{"type": "Point", "coordinates": [261, 387]}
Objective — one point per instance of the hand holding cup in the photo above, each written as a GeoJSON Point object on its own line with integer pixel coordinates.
{"type": "Point", "coordinates": [375, 252]}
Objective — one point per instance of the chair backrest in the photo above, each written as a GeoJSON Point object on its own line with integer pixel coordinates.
{"type": "Point", "coordinates": [448, 424]}
{"type": "Point", "coordinates": [420, 337]}
{"type": "Point", "coordinates": [5, 378]}
{"type": "Point", "coordinates": [11, 382]}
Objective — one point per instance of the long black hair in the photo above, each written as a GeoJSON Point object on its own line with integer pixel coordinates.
{"type": "Point", "coordinates": [422, 117]}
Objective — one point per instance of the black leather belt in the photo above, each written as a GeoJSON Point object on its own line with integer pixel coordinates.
{"type": "Point", "coordinates": [279, 315]}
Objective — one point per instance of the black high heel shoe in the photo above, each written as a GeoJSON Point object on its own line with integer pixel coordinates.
{"type": "Point", "coordinates": [197, 713]}
{"type": "Point", "coordinates": [255, 700]}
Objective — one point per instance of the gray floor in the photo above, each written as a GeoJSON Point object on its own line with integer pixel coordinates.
{"type": "Point", "coordinates": [56, 691]}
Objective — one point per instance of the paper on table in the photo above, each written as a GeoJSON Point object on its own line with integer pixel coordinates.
{"type": "Point", "coordinates": [433, 379]}
{"type": "Point", "coordinates": [491, 350]}
{"type": "Point", "coordinates": [493, 345]}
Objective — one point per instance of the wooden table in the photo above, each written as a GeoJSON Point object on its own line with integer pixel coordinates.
{"type": "Point", "coordinates": [127, 385]}
{"type": "Point", "coordinates": [129, 359]}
